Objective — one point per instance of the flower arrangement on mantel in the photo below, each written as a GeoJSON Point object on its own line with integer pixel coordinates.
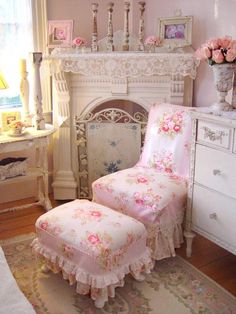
{"type": "Point", "coordinates": [79, 42]}
{"type": "Point", "coordinates": [217, 51]}
{"type": "Point", "coordinates": [151, 42]}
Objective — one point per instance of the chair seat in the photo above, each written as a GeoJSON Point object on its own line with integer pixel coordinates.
{"type": "Point", "coordinates": [93, 245]}
{"type": "Point", "coordinates": [140, 193]}
{"type": "Point", "coordinates": [155, 199]}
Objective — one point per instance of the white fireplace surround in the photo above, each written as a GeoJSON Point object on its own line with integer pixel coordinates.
{"type": "Point", "coordinates": [81, 82]}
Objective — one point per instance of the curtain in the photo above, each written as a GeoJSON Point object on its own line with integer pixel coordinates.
{"type": "Point", "coordinates": [16, 41]}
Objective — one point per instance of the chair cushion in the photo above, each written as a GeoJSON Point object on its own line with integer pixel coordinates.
{"type": "Point", "coordinates": [142, 193]}
{"type": "Point", "coordinates": [95, 243]}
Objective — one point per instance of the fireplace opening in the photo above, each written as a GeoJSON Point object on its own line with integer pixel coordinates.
{"type": "Point", "coordinates": [109, 139]}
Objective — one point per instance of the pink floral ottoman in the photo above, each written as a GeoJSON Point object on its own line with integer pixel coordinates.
{"type": "Point", "coordinates": [94, 247]}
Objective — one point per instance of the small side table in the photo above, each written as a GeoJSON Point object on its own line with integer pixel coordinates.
{"type": "Point", "coordinates": [31, 139]}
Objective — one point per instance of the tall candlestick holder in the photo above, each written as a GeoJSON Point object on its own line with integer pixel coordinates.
{"type": "Point", "coordinates": [110, 46]}
{"type": "Point", "coordinates": [125, 46]}
{"type": "Point", "coordinates": [39, 122]}
{"type": "Point", "coordinates": [141, 25]}
{"type": "Point", "coordinates": [24, 96]}
{"type": "Point", "coordinates": [94, 44]}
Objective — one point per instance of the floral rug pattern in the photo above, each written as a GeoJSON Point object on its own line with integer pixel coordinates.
{"type": "Point", "coordinates": [173, 287]}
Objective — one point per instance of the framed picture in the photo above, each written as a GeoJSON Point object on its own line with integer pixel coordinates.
{"type": "Point", "coordinates": [8, 117]}
{"type": "Point", "coordinates": [176, 31]}
{"type": "Point", "coordinates": [60, 33]}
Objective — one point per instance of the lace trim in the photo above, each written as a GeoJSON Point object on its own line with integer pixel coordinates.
{"type": "Point", "coordinates": [73, 273]}
{"type": "Point", "coordinates": [124, 65]}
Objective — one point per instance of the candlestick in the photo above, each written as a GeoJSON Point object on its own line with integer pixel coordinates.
{"type": "Point", "coordinates": [24, 96]}
{"type": "Point", "coordinates": [94, 44]}
{"type": "Point", "coordinates": [110, 46]}
{"type": "Point", "coordinates": [36, 58]}
{"type": "Point", "coordinates": [141, 25]}
{"type": "Point", "coordinates": [125, 46]}
{"type": "Point", "coordinates": [22, 65]}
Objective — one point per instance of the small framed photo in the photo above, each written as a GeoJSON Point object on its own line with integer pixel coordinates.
{"type": "Point", "coordinates": [60, 33]}
{"type": "Point", "coordinates": [176, 31]}
{"type": "Point", "coordinates": [8, 117]}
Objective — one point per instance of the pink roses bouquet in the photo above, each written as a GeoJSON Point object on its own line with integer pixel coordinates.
{"type": "Point", "coordinates": [152, 40]}
{"type": "Point", "coordinates": [79, 41]}
{"type": "Point", "coordinates": [218, 50]}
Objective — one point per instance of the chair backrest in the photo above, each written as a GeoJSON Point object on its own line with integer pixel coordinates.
{"type": "Point", "coordinates": [167, 140]}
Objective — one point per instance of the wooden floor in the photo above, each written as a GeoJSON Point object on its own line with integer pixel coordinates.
{"type": "Point", "coordinates": [212, 260]}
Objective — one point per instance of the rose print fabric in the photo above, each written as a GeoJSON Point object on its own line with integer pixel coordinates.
{"type": "Point", "coordinates": [154, 190]}
{"type": "Point", "coordinates": [92, 245]}
{"type": "Point", "coordinates": [167, 140]}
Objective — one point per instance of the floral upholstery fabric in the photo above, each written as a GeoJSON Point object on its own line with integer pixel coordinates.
{"type": "Point", "coordinates": [93, 245]}
{"type": "Point", "coordinates": [154, 190]}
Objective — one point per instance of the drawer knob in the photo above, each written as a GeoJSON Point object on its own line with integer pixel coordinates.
{"type": "Point", "coordinates": [213, 216]}
{"type": "Point", "coordinates": [216, 172]}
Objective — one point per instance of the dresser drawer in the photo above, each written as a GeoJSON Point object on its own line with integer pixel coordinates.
{"type": "Point", "coordinates": [216, 170]}
{"type": "Point", "coordinates": [214, 216]}
{"type": "Point", "coordinates": [214, 134]}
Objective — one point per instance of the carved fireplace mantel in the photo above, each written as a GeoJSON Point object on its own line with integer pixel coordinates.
{"type": "Point", "coordinates": [83, 81]}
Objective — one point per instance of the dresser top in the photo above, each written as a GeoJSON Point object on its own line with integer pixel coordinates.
{"type": "Point", "coordinates": [207, 113]}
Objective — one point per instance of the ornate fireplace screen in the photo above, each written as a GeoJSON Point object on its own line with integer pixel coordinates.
{"type": "Point", "coordinates": [108, 140]}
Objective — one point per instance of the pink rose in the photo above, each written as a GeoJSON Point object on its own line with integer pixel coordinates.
{"type": "Point", "coordinates": [142, 179]}
{"type": "Point", "coordinates": [139, 201]}
{"type": "Point", "coordinates": [176, 128]}
{"type": "Point", "coordinates": [95, 213]}
{"type": "Point", "coordinates": [152, 40]}
{"type": "Point", "coordinates": [94, 239]}
{"type": "Point", "coordinates": [232, 45]}
{"type": "Point", "coordinates": [179, 35]}
{"type": "Point", "coordinates": [230, 55]}
{"type": "Point", "coordinates": [217, 56]}
{"type": "Point", "coordinates": [79, 41]}
{"type": "Point", "coordinates": [203, 53]}
{"type": "Point", "coordinates": [165, 128]}
{"type": "Point", "coordinates": [60, 34]}
{"type": "Point", "coordinates": [168, 170]}
{"type": "Point", "coordinates": [225, 42]}
{"type": "Point", "coordinates": [44, 225]}
{"type": "Point", "coordinates": [213, 43]}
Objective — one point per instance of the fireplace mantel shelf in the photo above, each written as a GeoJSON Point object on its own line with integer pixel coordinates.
{"type": "Point", "coordinates": [124, 64]}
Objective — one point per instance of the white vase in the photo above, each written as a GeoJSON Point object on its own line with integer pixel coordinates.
{"type": "Point", "coordinates": [223, 79]}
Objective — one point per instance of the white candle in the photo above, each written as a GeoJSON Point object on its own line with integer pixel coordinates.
{"type": "Point", "coordinates": [22, 65]}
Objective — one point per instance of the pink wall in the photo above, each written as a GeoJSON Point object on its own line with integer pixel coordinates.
{"type": "Point", "coordinates": [212, 18]}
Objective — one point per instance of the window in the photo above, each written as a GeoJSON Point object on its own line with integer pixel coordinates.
{"type": "Point", "coordinates": [23, 29]}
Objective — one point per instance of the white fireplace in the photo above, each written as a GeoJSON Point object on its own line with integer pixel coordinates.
{"type": "Point", "coordinates": [82, 82]}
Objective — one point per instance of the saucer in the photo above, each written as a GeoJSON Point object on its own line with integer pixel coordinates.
{"type": "Point", "coordinates": [17, 135]}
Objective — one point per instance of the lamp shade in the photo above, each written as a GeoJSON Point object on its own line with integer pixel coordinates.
{"type": "Point", "coordinates": [3, 83]}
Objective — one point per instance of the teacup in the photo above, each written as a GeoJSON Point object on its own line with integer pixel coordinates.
{"type": "Point", "coordinates": [17, 128]}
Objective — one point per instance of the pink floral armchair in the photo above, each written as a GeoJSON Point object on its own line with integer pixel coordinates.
{"type": "Point", "coordinates": [154, 191]}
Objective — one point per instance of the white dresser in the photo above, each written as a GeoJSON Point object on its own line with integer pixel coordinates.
{"type": "Point", "coordinates": [211, 208]}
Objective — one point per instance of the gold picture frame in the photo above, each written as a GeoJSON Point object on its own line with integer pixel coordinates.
{"type": "Point", "coordinates": [8, 117]}
{"type": "Point", "coordinates": [175, 31]}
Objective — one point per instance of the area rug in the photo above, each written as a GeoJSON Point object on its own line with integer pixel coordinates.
{"type": "Point", "coordinates": [174, 287]}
